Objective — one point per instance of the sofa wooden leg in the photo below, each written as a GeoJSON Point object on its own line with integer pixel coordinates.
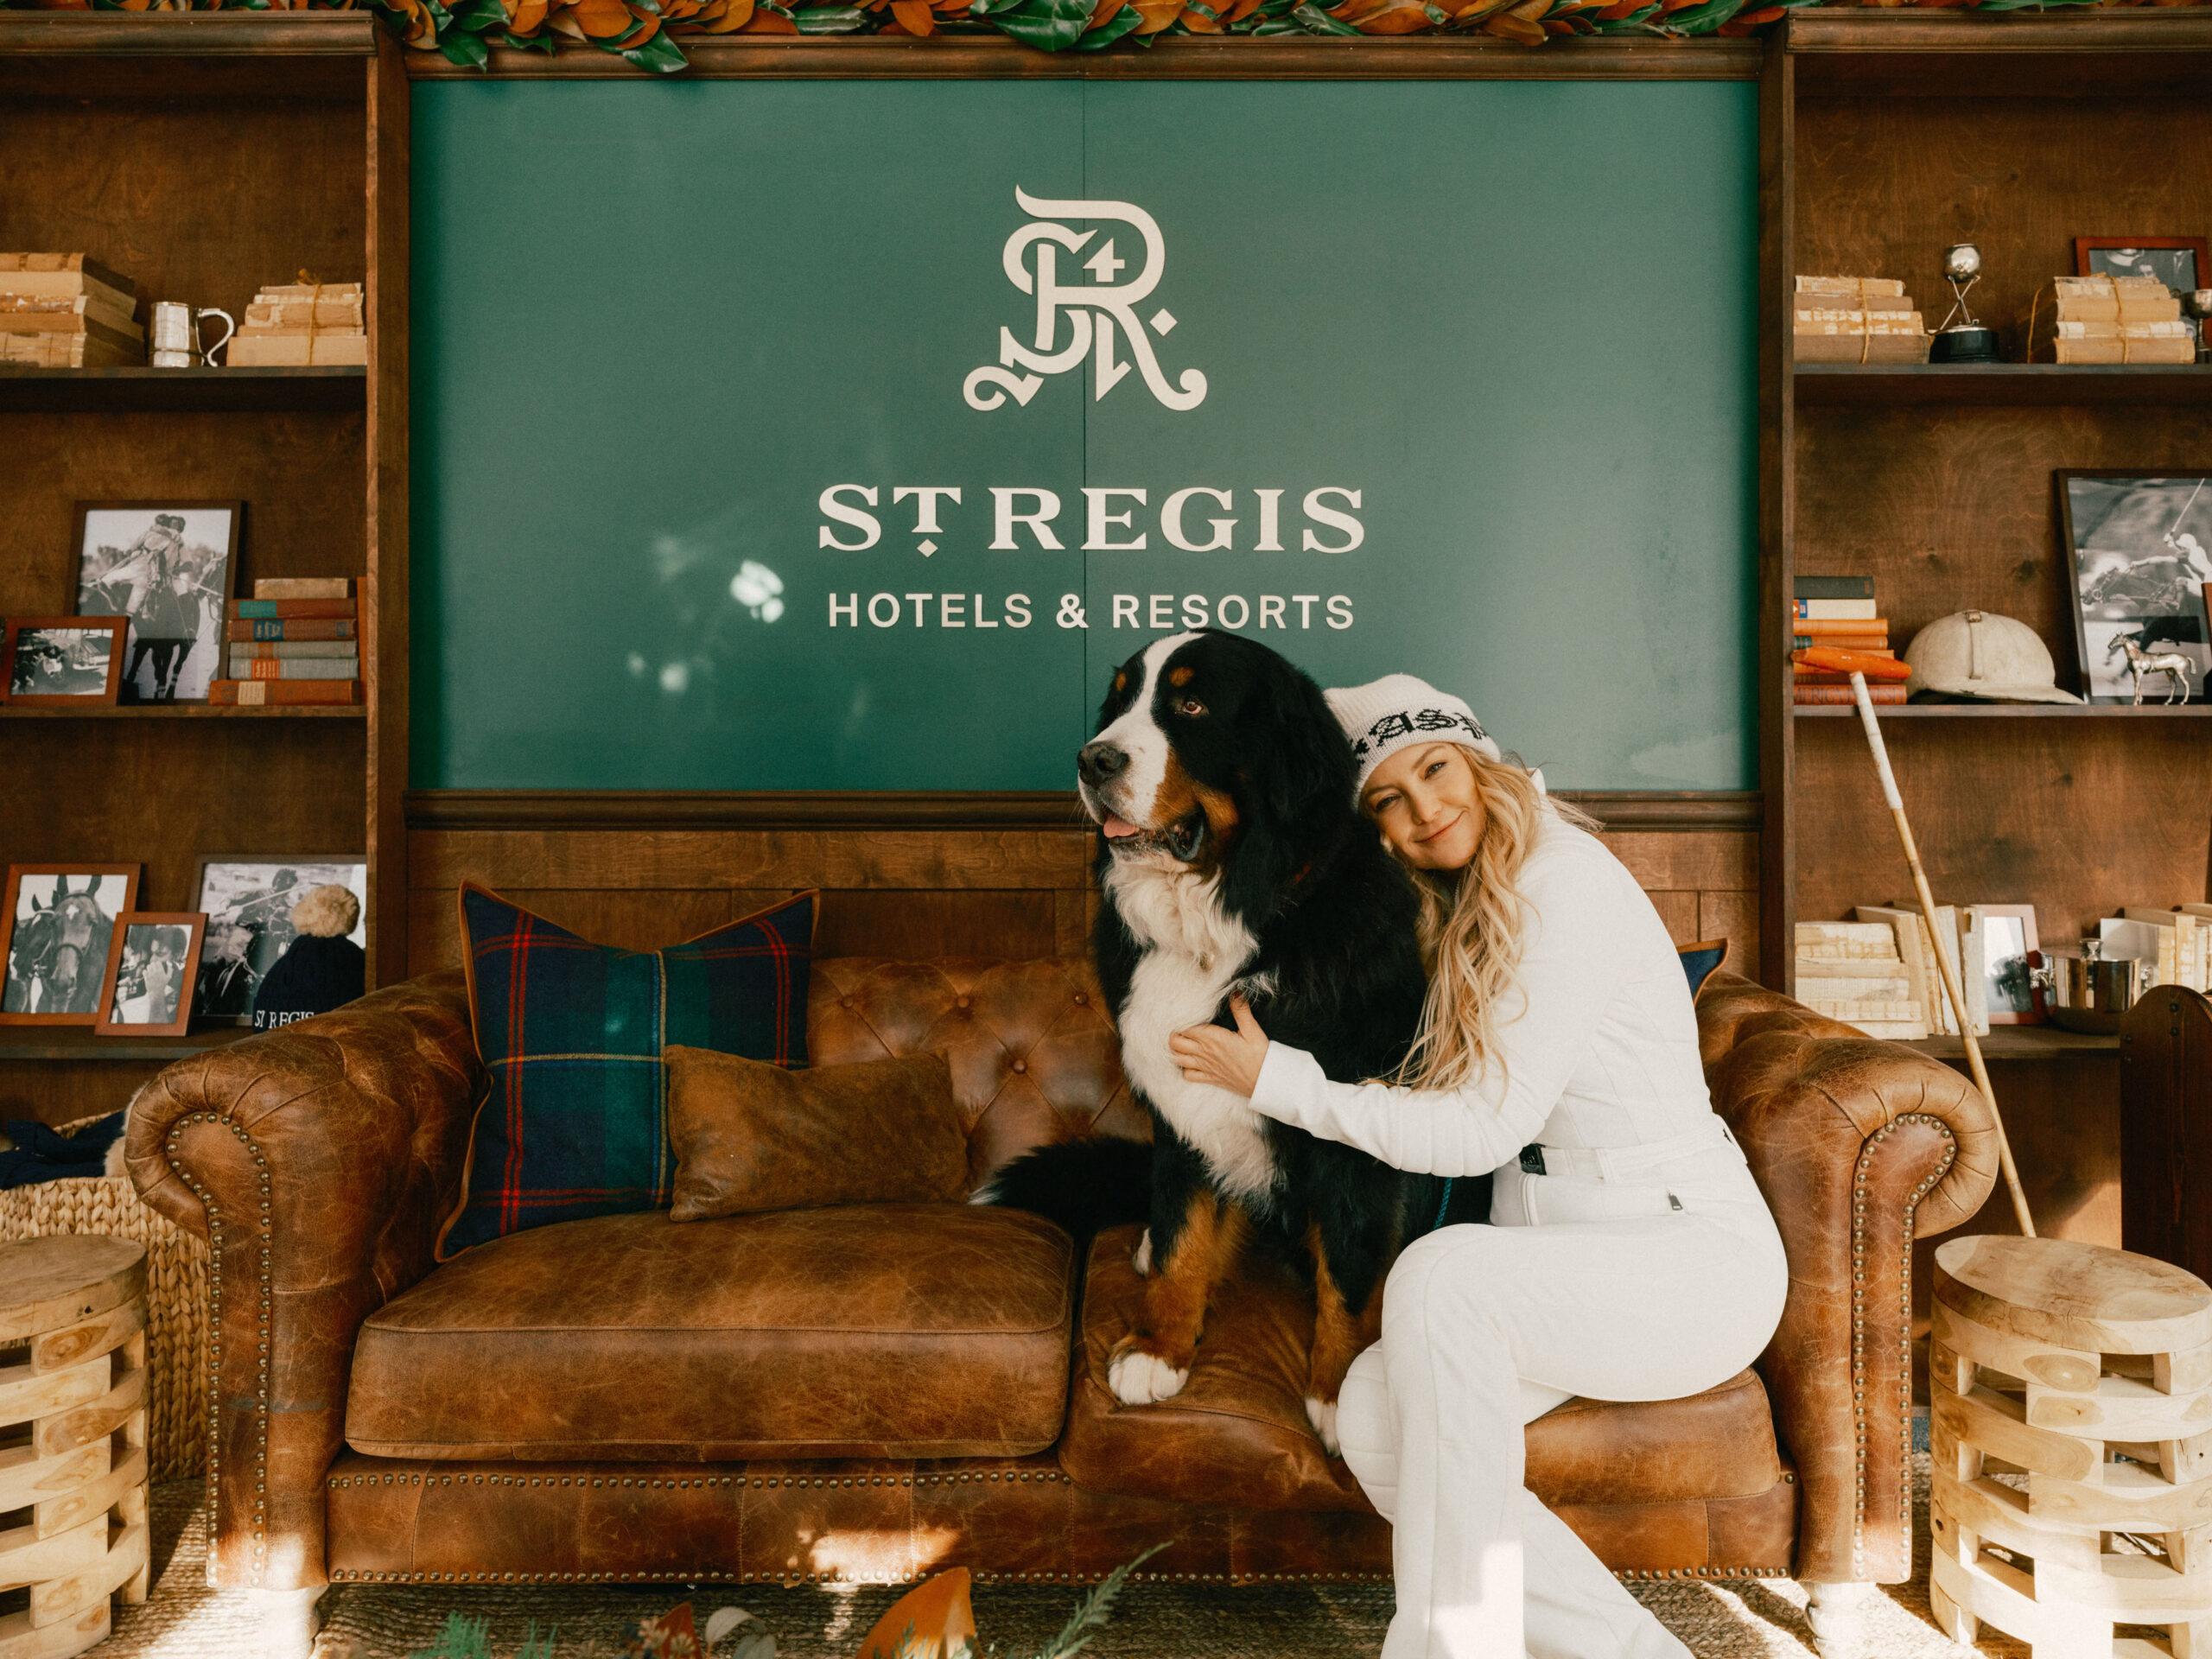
{"type": "Point", "coordinates": [288, 1620]}
{"type": "Point", "coordinates": [1837, 1613]}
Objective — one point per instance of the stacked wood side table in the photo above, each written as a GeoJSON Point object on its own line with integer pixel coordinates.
{"type": "Point", "coordinates": [2070, 1387]}
{"type": "Point", "coordinates": [72, 1440]}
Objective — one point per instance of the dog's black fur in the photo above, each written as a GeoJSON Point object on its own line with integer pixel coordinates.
{"type": "Point", "coordinates": [1257, 795]}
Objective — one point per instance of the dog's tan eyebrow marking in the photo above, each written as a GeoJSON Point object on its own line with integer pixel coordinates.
{"type": "Point", "coordinates": [1121, 681]}
{"type": "Point", "coordinates": [1180, 676]}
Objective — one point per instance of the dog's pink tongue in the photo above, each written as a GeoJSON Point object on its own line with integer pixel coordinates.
{"type": "Point", "coordinates": [1118, 829]}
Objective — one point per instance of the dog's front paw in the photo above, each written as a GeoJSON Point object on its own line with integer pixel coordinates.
{"type": "Point", "coordinates": [1141, 1259]}
{"type": "Point", "coordinates": [1322, 1414]}
{"type": "Point", "coordinates": [1139, 1377]}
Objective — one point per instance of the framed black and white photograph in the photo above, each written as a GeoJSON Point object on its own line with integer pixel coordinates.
{"type": "Point", "coordinates": [57, 924]}
{"type": "Point", "coordinates": [2008, 939]}
{"type": "Point", "coordinates": [2139, 552]}
{"type": "Point", "coordinates": [61, 662]}
{"type": "Point", "coordinates": [152, 962]}
{"type": "Point", "coordinates": [170, 566]}
{"type": "Point", "coordinates": [248, 902]}
{"type": "Point", "coordinates": [2177, 261]}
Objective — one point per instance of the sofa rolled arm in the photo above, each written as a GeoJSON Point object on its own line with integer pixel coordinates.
{"type": "Point", "coordinates": [1859, 1145]}
{"type": "Point", "coordinates": [318, 1161]}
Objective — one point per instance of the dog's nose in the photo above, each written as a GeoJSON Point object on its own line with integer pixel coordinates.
{"type": "Point", "coordinates": [1099, 762]}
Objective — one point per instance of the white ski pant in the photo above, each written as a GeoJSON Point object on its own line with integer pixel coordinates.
{"type": "Point", "coordinates": [1485, 1328]}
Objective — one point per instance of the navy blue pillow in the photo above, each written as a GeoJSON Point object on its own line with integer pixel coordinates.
{"type": "Point", "coordinates": [1701, 959]}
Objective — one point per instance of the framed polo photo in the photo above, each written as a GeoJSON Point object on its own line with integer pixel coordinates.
{"type": "Point", "coordinates": [61, 662]}
{"type": "Point", "coordinates": [2179, 262]}
{"type": "Point", "coordinates": [2008, 940]}
{"type": "Point", "coordinates": [2139, 549]}
{"type": "Point", "coordinates": [248, 902]}
{"type": "Point", "coordinates": [152, 965]}
{"type": "Point", "coordinates": [170, 567]}
{"type": "Point", "coordinates": [57, 929]}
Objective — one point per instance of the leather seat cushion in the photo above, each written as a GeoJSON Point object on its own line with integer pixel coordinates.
{"type": "Point", "coordinates": [1239, 1424]}
{"type": "Point", "coordinates": [882, 1331]}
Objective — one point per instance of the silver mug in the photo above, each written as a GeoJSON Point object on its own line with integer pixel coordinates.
{"type": "Point", "coordinates": [176, 339]}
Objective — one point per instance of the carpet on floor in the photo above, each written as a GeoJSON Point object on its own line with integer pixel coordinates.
{"type": "Point", "coordinates": [184, 1619]}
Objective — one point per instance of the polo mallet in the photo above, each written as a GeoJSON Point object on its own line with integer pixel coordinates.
{"type": "Point", "coordinates": [1951, 988]}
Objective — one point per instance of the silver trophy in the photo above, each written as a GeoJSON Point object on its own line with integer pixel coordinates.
{"type": "Point", "coordinates": [1965, 340]}
{"type": "Point", "coordinates": [2196, 304]}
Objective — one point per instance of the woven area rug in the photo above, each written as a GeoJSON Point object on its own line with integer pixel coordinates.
{"type": "Point", "coordinates": [183, 1620]}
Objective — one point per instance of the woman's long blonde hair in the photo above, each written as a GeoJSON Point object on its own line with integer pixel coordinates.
{"type": "Point", "coordinates": [1472, 927]}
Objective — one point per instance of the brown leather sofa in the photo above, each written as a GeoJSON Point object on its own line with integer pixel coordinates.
{"type": "Point", "coordinates": [873, 1392]}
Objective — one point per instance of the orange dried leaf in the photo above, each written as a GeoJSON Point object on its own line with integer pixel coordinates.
{"type": "Point", "coordinates": [1396, 20]}
{"type": "Point", "coordinates": [1508, 26]}
{"type": "Point", "coordinates": [601, 20]}
{"type": "Point", "coordinates": [933, 1618]}
{"type": "Point", "coordinates": [914, 16]}
{"type": "Point", "coordinates": [1763, 14]}
{"type": "Point", "coordinates": [726, 17]}
{"type": "Point", "coordinates": [764, 21]}
{"type": "Point", "coordinates": [1100, 13]}
{"type": "Point", "coordinates": [527, 17]}
{"type": "Point", "coordinates": [1198, 22]}
{"type": "Point", "coordinates": [1156, 15]}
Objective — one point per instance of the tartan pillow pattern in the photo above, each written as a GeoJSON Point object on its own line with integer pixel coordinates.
{"type": "Point", "coordinates": [575, 1123]}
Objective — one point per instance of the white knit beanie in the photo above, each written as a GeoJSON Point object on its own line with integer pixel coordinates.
{"type": "Point", "coordinates": [1400, 709]}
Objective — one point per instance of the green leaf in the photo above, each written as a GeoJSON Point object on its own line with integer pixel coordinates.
{"type": "Point", "coordinates": [1111, 30]}
{"type": "Point", "coordinates": [1092, 1612]}
{"type": "Point", "coordinates": [660, 54]}
{"type": "Point", "coordinates": [1048, 25]}
{"type": "Point", "coordinates": [464, 48]}
{"type": "Point", "coordinates": [1317, 21]}
{"type": "Point", "coordinates": [830, 20]}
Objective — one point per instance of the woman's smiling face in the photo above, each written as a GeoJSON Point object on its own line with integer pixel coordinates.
{"type": "Point", "coordinates": [1423, 798]}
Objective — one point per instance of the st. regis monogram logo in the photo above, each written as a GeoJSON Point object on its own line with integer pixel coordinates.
{"type": "Point", "coordinates": [1095, 311]}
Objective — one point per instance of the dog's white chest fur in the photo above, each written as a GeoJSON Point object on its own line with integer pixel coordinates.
{"type": "Point", "coordinates": [1196, 953]}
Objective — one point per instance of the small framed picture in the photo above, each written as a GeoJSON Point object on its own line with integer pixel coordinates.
{"type": "Point", "coordinates": [151, 966]}
{"type": "Point", "coordinates": [248, 902]}
{"type": "Point", "coordinates": [61, 662]}
{"type": "Point", "coordinates": [2140, 553]}
{"type": "Point", "coordinates": [2008, 937]}
{"type": "Point", "coordinates": [55, 930]}
{"type": "Point", "coordinates": [2179, 262]}
{"type": "Point", "coordinates": [169, 565]}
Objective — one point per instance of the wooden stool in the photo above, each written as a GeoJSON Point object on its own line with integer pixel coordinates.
{"type": "Point", "coordinates": [72, 1440]}
{"type": "Point", "coordinates": [2070, 1388]}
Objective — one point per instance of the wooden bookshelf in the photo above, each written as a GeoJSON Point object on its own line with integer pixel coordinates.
{"type": "Point", "coordinates": [203, 154]}
{"type": "Point", "coordinates": [1886, 135]}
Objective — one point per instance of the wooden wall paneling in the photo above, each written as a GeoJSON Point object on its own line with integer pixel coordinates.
{"type": "Point", "coordinates": [66, 1092]}
{"type": "Point", "coordinates": [1733, 916]}
{"type": "Point", "coordinates": [618, 858]}
{"type": "Point", "coordinates": [1693, 862]}
{"type": "Point", "coordinates": [1679, 910]}
{"type": "Point", "coordinates": [384, 601]}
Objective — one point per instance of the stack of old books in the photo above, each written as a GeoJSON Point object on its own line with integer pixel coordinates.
{"type": "Point", "coordinates": [1956, 932]}
{"type": "Point", "coordinates": [295, 641]}
{"type": "Point", "coordinates": [64, 311]}
{"type": "Point", "coordinates": [1858, 319]}
{"type": "Point", "coordinates": [1854, 972]}
{"type": "Point", "coordinates": [1834, 627]}
{"type": "Point", "coordinates": [295, 324]}
{"type": "Point", "coordinates": [2121, 319]}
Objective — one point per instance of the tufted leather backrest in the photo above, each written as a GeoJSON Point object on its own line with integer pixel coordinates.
{"type": "Point", "coordinates": [1031, 1050]}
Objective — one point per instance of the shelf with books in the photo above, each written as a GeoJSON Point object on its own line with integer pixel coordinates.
{"type": "Point", "coordinates": [189, 711]}
{"type": "Point", "coordinates": [71, 1043]}
{"type": "Point", "coordinates": [2022, 1043]}
{"type": "Point", "coordinates": [2009, 384]}
{"type": "Point", "coordinates": [72, 390]}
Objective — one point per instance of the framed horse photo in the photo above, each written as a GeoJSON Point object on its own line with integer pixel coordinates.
{"type": "Point", "coordinates": [56, 932]}
{"type": "Point", "coordinates": [61, 662]}
{"type": "Point", "coordinates": [152, 965]}
{"type": "Point", "coordinates": [2139, 550]}
{"type": "Point", "coordinates": [170, 567]}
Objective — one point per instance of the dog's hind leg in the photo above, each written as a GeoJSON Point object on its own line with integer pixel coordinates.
{"type": "Point", "coordinates": [1347, 1317]}
{"type": "Point", "coordinates": [1154, 1361]}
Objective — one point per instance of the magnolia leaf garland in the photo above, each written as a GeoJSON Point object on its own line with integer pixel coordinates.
{"type": "Point", "coordinates": [649, 33]}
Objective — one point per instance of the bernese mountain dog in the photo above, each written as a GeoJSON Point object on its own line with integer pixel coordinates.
{"type": "Point", "coordinates": [1231, 857]}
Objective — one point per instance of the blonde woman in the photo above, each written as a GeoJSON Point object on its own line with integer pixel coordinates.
{"type": "Point", "coordinates": [1631, 1256]}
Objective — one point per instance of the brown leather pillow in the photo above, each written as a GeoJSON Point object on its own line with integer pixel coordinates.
{"type": "Point", "coordinates": [752, 1136]}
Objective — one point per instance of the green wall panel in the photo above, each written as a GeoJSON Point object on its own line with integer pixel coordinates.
{"type": "Point", "coordinates": [653, 323]}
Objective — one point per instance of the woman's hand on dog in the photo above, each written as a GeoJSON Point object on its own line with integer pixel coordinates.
{"type": "Point", "coordinates": [1227, 1060]}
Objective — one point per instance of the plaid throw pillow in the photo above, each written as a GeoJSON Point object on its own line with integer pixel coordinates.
{"type": "Point", "coordinates": [575, 1121]}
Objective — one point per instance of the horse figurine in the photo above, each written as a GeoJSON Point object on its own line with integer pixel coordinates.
{"type": "Point", "coordinates": [2171, 663]}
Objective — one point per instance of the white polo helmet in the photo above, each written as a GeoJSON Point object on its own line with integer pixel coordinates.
{"type": "Point", "coordinates": [1985, 657]}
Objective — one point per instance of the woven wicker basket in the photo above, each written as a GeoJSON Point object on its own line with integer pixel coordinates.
{"type": "Point", "coordinates": [176, 1301]}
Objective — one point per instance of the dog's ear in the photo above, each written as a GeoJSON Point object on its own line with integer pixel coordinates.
{"type": "Point", "coordinates": [1306, 763]}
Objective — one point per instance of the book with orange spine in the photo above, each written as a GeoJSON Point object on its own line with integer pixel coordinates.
{"type": "Point", "coordinates": [1852, 661]}
{"type": "Point", "coordinates": [1823, 693]}
{"type": "Point", "coordinates": [254, 693]}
